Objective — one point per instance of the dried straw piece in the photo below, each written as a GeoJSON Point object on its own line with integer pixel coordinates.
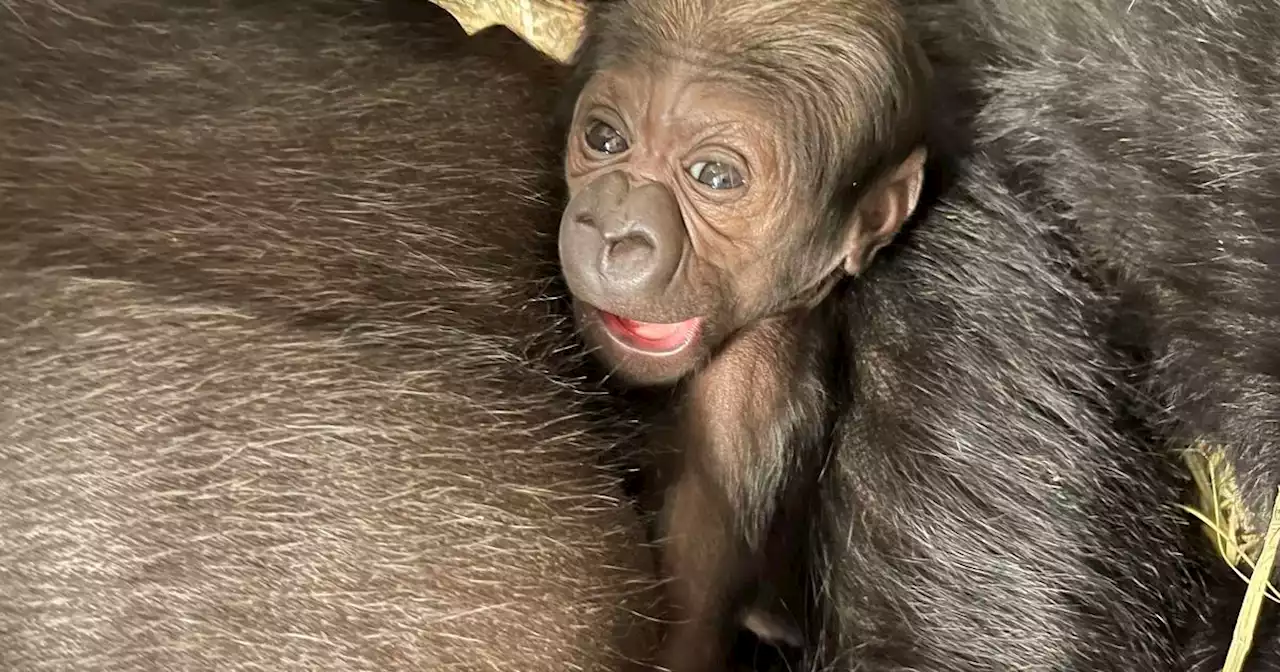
{"type": "Point", "coordinates": [553, 27]}
{"type": "Point", "coordinates": [1247, 622]}
{"type": "Point", "coordinates": [1237, 540]}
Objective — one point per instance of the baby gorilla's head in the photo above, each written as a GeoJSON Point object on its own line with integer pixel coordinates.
{"type": "Point", "coordinates": [727, 161]}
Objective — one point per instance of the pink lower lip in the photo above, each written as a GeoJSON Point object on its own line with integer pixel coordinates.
{"type": "Point", "coordinates": [649, 336]}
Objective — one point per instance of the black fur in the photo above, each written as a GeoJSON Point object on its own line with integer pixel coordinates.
{"type": "Point", "coordinates": [1090, 286]}
{"type": "Point", "coordinates": [1095, 288]}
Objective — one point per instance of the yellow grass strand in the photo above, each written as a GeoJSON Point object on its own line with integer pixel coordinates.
{"type": "Point", "coordinates": [1242, 638]}
{"type": "Point", "coordinates": [1225, 538]}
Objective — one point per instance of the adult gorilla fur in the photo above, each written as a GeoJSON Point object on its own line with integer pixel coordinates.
{"type": "Point", "coordinates": [269, 398]}
{"type": "Point", "coordinates": [1094, 287]}
{"type": "Point", "coordinates": [281, 388]}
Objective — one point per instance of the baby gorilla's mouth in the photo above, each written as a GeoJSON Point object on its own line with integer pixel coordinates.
{"type": "Point", "coordinates": [651, 337]}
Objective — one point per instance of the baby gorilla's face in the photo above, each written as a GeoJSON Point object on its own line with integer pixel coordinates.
{"type": "Point", "coordinates": [673, 238]}
{"type": "Point", "coordinates": [690, 217]}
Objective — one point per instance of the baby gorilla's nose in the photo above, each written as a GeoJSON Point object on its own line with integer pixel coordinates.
{"type": "Point", "coordinates": [620, 242]}
{"type": "Point", "coordinates": [642, 242]}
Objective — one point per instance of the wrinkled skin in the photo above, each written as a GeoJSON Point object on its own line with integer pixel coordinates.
{"type": "Point", "coordinates": [283, 388]}
{"type": "Point", "coordinates": [692, 216]}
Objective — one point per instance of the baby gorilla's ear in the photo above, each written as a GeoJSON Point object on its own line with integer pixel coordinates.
{"type": "Point", "coordinates": [883, 211]}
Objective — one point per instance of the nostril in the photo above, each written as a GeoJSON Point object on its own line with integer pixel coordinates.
{"type": "Point", "coordinates": [629, 256]}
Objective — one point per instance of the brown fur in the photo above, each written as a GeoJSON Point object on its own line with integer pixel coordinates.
{"type": "Point", "coordinates": [282, 387]}
{"type": "Point", "coordinates": [727, 560]}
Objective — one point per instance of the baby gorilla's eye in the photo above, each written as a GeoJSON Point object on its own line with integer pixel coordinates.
{"type": "Point", "coordinates": [716, 175]}
{"type": "Point", "coordinates": [605, 139]}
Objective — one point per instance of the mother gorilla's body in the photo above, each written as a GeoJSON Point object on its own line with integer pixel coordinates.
{"type": "Point", "coordinates": [279, 389]}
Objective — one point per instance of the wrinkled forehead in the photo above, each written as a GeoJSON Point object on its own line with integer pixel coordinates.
{"type": "Point", "coordinates": [679, 85]}
{"type": "Point", "coordinates": [790, 60]}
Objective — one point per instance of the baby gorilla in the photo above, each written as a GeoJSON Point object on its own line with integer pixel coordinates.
{"type": "Point", "coordinates": [716, 198]}
{"type": "Point", "coordinates": [714, 185]}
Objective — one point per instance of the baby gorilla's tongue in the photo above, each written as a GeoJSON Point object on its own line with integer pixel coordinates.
{"type": "Point", "coordinates": [652, 331]}
{"type": "Point", "coordinates": [652, 335]}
